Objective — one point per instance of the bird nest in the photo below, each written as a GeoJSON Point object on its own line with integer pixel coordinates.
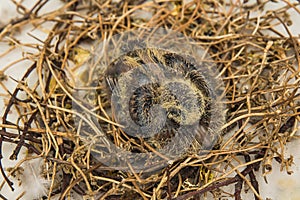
{"type": "Point", "coordinates": [67, 108]}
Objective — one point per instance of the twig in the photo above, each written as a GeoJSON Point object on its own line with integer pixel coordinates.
{"type": "Point", "coordinates": [214, 186]}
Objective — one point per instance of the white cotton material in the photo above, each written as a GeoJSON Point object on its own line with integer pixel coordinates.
{"type": "Point", "coordinates": [33, 183]}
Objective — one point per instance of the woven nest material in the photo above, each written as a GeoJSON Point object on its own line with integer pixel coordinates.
{"type": "Point", "coordinates": [69, 110]}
